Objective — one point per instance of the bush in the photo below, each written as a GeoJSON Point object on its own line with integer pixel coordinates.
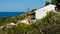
{"type": "Point", "coordinates": [49, 24]}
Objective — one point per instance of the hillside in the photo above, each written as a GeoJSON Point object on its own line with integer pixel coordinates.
{"type": "Point", "coordinates": [50, 24]}
{"type": "Point", "coordinates": [47, 25]}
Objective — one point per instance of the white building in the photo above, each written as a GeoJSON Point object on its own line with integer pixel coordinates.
{"type": "Point", "coordinates": [40, 13]}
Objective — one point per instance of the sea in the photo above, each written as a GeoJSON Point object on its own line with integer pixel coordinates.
{"type": "Point", "coordinates": [9, 14]}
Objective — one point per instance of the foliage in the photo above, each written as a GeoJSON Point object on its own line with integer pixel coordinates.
{"type": "Point", "coordinates": [47, 3]}
{"type": "Point", "coordinates": [49, 24]}
{"type": "Point", "coordinates": [56, 2]}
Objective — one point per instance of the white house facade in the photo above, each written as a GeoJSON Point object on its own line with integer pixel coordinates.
{"type": "Point", "coordinates": [40, 13]}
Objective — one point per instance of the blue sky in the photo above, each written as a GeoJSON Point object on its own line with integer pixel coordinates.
{"type": "Point", "coordinates": [20, 5]}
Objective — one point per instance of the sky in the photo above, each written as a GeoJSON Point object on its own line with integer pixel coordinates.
{"type": "Point", "coordinates": [20, 5]}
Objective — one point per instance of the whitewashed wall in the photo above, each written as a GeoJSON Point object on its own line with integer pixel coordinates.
{"type": "Point", "coordinates": [40, 13]}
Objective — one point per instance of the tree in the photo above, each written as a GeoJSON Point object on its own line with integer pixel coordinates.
{"type": "Point", "coordinates": [56, 2]}
{"type": "Point", "coordinates": [47, 3]}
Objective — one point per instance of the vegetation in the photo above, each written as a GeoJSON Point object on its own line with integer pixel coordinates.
{"type": "Point", "coordinates": [47, 25]}
{"type": "Point", "coordinates": [50, 24]}
{"type": "Point", "coordinates": [47, 3]}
